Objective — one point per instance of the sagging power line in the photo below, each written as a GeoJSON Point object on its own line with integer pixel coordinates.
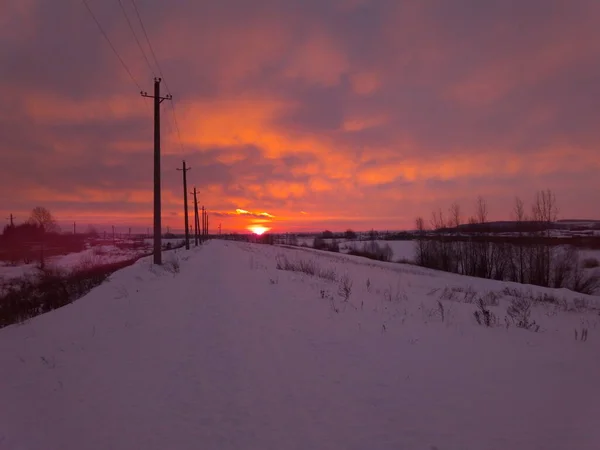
{"type": "Point", "coordinates": [111, 45]}
{"type": "Point", "coordinates": [136, 38]}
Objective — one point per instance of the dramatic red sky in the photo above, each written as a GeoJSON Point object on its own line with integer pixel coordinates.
{"type": "Point", "coordinates": [319, 113]}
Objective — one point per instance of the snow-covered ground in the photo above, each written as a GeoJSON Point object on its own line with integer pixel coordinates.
{"type": "Point", "coordinates": [93, 256]}
{"type": "Point", "coordinates": [231, 353]}
{"type": "Point", "coordinates": [98, 255]}
{"type": "Point", "coordinates": [403, 250]}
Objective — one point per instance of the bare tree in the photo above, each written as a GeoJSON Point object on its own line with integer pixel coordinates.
{"type": "Point", "coordinates": [544, 212]}
{"type": "Point", "coordinates": [519, 264]}
{"type": "Point", "coordinates": [420, 224]}
{"type": "Point", "coordinates": [455, 218]}
{"type": "Point", "coordinates": [519, 210]}
{"type": "Point", "coordinates": [44, 219]}
{"type": "Point", "coordinates": [545, 209]}
{"type": "Point", "coordinates": [421, 253]}
{"type": "Point", "coordinates": [437, 219]}
{"type": "Point", "coordinates": [481, 210]}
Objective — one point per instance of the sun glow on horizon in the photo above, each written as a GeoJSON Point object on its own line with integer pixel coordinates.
{"type": "Point", "coordinates": [258, 229]}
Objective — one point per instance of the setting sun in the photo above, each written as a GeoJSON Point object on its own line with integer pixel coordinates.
{"type": "Point", "coordinates": [258, 229]}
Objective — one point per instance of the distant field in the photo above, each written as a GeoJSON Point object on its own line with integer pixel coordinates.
{"type": "Point", "coordinates": [95, 255]}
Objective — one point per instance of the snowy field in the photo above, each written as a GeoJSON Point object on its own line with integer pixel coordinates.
{"type": "Point", "coordinates": [228, 352]}
{"type": "Point", "coordinates": [93, 256]}
{"type": "Point", "coordinates": [403, 250]}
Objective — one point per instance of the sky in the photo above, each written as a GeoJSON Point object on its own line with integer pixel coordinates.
{"type": "Point", "coordinates": [300, 114]}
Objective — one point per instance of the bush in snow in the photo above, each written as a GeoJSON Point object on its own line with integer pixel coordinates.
{"type": "Point", "coordinates": [520, 313]}
{"type": "Point", "coordinates": [374, 250]}
{"type": "Point", "coordinates": [345, 289]}
{"type": "Point", "coordinates": [309, 267]}
{"type": "Point", "coordinates": [172, 264]}
{"type": "Point", "coordinates": [484, 316]}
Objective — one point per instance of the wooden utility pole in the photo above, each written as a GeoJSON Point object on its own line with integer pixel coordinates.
{"type": "Point", "coordinates": [11, 218]}
{"type": "Point", "coordinates": [185, 206]}
{"type": "Point", "coordinates": [196, 221]}
{"type": "Point", "coordinates": [157, 219]}
{"type": "Point", "coordinates": [207, 225]}
{"type": "Point", "coordinates": [203, 225]}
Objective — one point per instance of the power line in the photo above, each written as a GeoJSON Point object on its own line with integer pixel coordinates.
{"type": "Point", "coordinates": [111, 45]}
{"type": "Point", "coordinates": [176, 125]}
{"type": "Point", "coordinates": [136, 38]}
{"type": "Point", "coordinates": [137, 12]}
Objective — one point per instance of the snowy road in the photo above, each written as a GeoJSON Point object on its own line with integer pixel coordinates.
{"type": "Point", "coordinates": [232, 354]}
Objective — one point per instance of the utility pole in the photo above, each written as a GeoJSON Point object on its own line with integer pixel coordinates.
{"type": "Point", "coordinates": [11, 218]}
{"type": "Point", "coordinates": [74, 228]}
{"type": "Point", "coordinates": [185, 205]}
{"type": "Point", "coordinates": [219, 229]}
{"type": "Point", "coordinates": [113, 228]}
{"type": "Point", "coordinates": [196, 222]}
{"type": "Point", "coordinates": [207, 225]}
{"type": "Point", "coordinates": [157, 219]}
{"type": "Point", "coordinates": [203, 225]}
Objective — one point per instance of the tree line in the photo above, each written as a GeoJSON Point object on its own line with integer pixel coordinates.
{"type": "Point", "coordinates": [529, 257]}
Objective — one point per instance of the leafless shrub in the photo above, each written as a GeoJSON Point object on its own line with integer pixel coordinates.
{"type": "Point", "coordinates": [172, 265]}
{"type": "Point", "coordinates": [580, 304]}
{"type": "Point", "coordinates": [484, 316]}
{"type": "Point", "coordinates": [394, 295]}
{"type": "Point", "coordinates": [512, 292]}
{"type": "Point", "coordinates": [546, 297]}
{"type": "Point", "coordinates": [450, 293]}
{"type": "Point", "coordinates": [441, 310]}
{"type": "Point", "coordinates": [470, 294]}
{"type": "Point", "coordinates": [490, 299]}
{"type": "Point", "coordinates": [584, 283]}
{"type": "Point", "coordinates": [582, 336]}
{"type": "Point", "coordinates": [368, 285]}
{"type": "Point", "coordinates": [345, 288]}
{"type": "Point", "coordinates": [520, 313]}
{"type": "Point", "coordinates": [327, 274]}
{"type": "Point", "coordinates": [309, 267]}
{"type": "Point", "coordinates": [373, 250]}
{"type": "Point", "coordinates": [454, 293]}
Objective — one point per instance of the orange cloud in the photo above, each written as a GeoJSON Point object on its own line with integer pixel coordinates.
{"type": "Point", "coordinates": [48, 107]}
{"type": "Point", "coordinates": [318, 60]}
{"type": "Point", "coordinates": [365, 83]}
{"type": "Point", "coordinates": [363, 123]}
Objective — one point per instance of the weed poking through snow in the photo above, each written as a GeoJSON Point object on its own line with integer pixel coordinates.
{"type": "Point", "coordinates": [520, 313]}
{"type": "Point", "coordinates": [484, 316]}
{"type": "Point", "coordinates": [309, 267]}
{"type": "Point", "coordinates": [345, 288]}
{"type": "Point", "coordinates": [583, 335]}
